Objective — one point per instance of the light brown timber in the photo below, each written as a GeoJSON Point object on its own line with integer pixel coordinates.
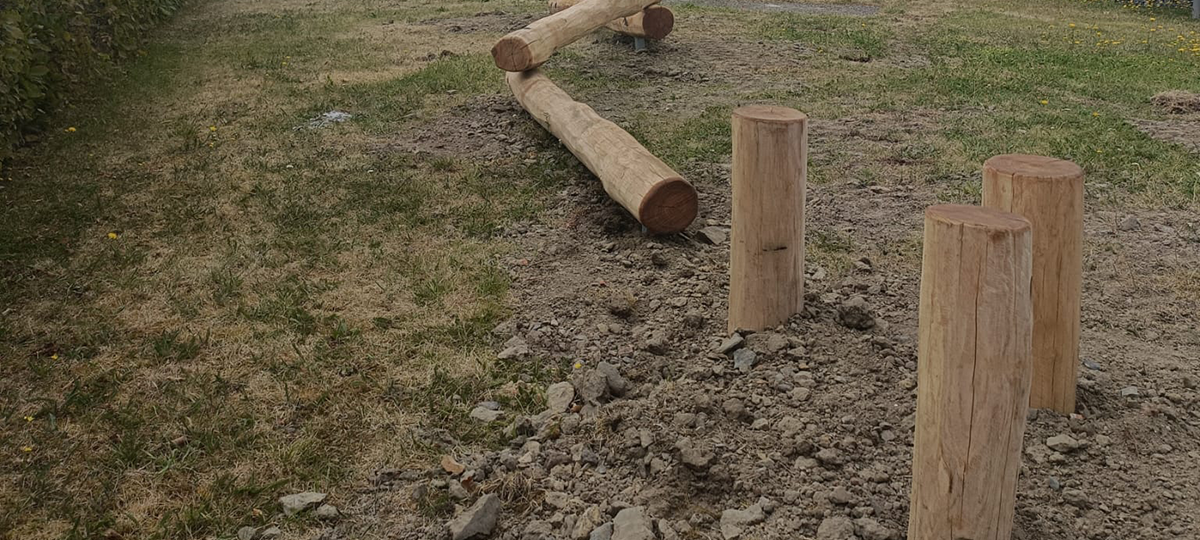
{"type": "Point", "coordinates": [766, 266]}
{"type": "Point", "coordinates": [654, 22]}
{"type": "Point", "coordinates": [1049, 193]}
{"type": "Point", "coordinates": [656, 195]}
{"type": "Point", "coordinates": [973, 368]}
{"type": "Point", "coordinates": [529, 47]}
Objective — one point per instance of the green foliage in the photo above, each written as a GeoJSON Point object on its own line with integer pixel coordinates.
{"type": "Point", "coordinates": [48, 46]}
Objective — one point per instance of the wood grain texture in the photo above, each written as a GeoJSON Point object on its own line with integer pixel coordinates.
{"type": "Point", "coordinates": [974, 356]}
{"type": "Point", "coordinates": [766, 266]}
{"type": "Point", "coordinates": [654, 22]}
{"type": "Point", "coordinates": [531, 46]}
{"type": "Point", "coordinates": [654, 193]}
{"type": "Point", "coordinates": [1049, 193]}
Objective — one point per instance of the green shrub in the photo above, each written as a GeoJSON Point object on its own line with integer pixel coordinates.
{"type": "Point", "coordinates": [49, 46]}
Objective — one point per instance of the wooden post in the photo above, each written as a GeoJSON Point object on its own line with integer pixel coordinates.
{"type": "Point", "coordinates": [766, 266]}
{"type": "Point", "coordinates": [529, 47]}
{"type": "Point", "coordinates": [656, 195]}
{"type": "Point", "coordinates": [973, 367]}
{"type": "Point", "coordinates": [654, 22]}
{"type": "Point", "coordinates": [1049, 193]}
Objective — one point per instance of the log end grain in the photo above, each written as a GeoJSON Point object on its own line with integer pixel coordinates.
{"type": "Point", "coordinates": [976, 217]}
{"type": "Point", "coordinates": [770, 114]}
{"type": "Point", "coordinates": [657, 22]}
{"type": "Point", "coordinates": [1028, 166]}
{"type": "Point", "coordinates": [512, 53]}
{"type": "Point", "coordinates": [669, 207]}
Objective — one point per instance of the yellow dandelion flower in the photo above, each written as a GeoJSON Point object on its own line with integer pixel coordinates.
{"type": "Point", "coordinates": [1044, 102]}
{"type": "Point", "coordinates": [28, 418]}
{"type": "Point", "coordinates": [1095, 113]}
{"type": "Point", "coordinates": [1072, 25]}
{"type": "Point", "coordinates": [212, 128]}
{"type": "Point", "coordinates": [112, 236]}
{"type": "Point", "coordinates": [71, 129]}
{"type": "Point", "coordinates": [26, 449]}
{"type": "Point", "coordinates": [54, 357]}
{"type": "Point", "coordinates": [578, 365]}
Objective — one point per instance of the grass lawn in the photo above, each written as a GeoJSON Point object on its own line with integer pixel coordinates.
{"type": "Point", "coordinates": [206, 303]}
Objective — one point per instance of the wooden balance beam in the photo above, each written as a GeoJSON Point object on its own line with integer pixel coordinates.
{"type": "Point", "coordinates": [657, 196]}
{"type": "Point", "coordinates": [531, 46]}
{"type": "Point", "coordinates": [654, 22]}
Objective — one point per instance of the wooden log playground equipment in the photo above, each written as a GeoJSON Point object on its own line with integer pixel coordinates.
{"type": "Point", "coordinates": [1049, 193]}
{"type": "Point", "coordinates": [531, 46]}
{"type": "Point", "coordinates": [653, 22]}
{"type": "Point", "coordinates": [656, 195]}
{"type": "Point", "coordinates": [974, 360]}
{"type": "Point", "coordinates": [766, 259]}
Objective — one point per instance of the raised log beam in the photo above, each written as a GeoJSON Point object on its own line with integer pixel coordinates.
{"type": "Point", "coordinates": [654, 22]}
{"type": "Point", "coordinates": [531, 46]}
{"type": "Point", "coordinates": [656, 195]}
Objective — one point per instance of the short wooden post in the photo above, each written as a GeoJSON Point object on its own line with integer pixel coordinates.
{"type": "Point", "coordinates": [766, 267]}
{"type": "Point", "coordinates": [1049, 193]}
{"type": "Point", "coordinates": [973, 369]}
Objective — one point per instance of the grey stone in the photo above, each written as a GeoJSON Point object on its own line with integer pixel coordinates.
{"type": "Point", "coordinates": [744, 359]}
{"type": "Point", "coordinates": [1075, 497]}
{"type": "Point", "coordinates": [869, 529]}
{"type": "Point", "coordinates": [836, 528]}
{"type": "Point", "coordinates": [656, 342]}
{"type": "Point", "coordinates": [632, 524]}
{"type": "Point", "coordinates": [714, 235]}
{"type": "Point", "coordinates": [693, 457]}
{"type": "Point", "coordinates": [593, 386]}
{"type": "Point", "coordinates": [247, 533]}
{"type": "Point", "coordinates": [1130, 391]}
{"type": "Point", "coordinates": [299, 502]}
{"type": "Point", "coordinates": [269, 533]}
{"type": "Point", "coordinates": [730, 343]}
{"type": "Point", "coordinates": [767, 342]}
{"type": "Point", "coordinates": [1063, 443]}
{"type": "Point", "coordinates": [330, 512]}
{"type": "Point", "coordinates": [514, 348]}
{"type": "Point", "coordinates": [603, 532]}
{"type": "Point", "coordinates": [830, 457]}
{"type": "Point", "coordinates": [328, 119]}
{"type": "Point", "coordinates": [559, 397]}
{"type": "Point", "coordinates": [842, 496]}
{"type": "Point", "coordinates": [856, 314]}
{"type": "Point", "coordinates": [1130, 223]}
{"type": "Point", "coordinates": [478, 520]}
{"type": "Point", "coordinates": [735, 522]}
{"type": "Point", "coordinates": [484, 414]}
{"type": "Point", "coordinates": [617, 385]}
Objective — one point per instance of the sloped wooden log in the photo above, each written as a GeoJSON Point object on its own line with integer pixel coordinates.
{"type": "Point", "coordinates": [531, 46]}
{"type": "Point", "coordinates": [654, 22]}
{"type": "Point", "coordinates": [656, 195]}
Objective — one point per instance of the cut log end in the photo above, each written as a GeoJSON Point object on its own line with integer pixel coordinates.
{"type": "Point", "coordinates": [770, 114]}
{"type": "Point", "coordinates": [657, 22]}
{"type": "Point", "coordinates": [512, 53]}
{"type": "Point", "coordinates": [669, 207]}
{"type": "Point", "coordinates": [975, 216]}
{"type": "Point", "coordinates": [1027, 166]}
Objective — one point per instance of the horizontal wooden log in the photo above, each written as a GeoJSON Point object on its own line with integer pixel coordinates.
{"type": "Point", "coordinates": [656, 195]}
{"type": "Point", "coordinates": [654, 22]}
{"type": "Point", "coordinates": [531, 46]}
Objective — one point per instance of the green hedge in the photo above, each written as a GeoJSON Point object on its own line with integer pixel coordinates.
{"type": "Point", "coordinates": [49, 46]}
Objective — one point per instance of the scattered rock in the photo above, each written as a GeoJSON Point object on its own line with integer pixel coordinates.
{"type": "Point", "coordinates": [693, 457]}
{"type": "Point", "coordinates": [714, 235]}
{"type": "Point", "coordinates": [856, 314]}
{"type": "Point", "coordinates": [744, 359]}
{"type": "Point", "coordinates": [451, 466]}
{"type": "Point", "coordinates": [329, 118]}
{"type": "Point", "coordinates": [1130, 223]}
{"type": "Point", "coordinates": [632, 524]}
{"type": "Point", "coordinates": [735, 522]}
{"type": "Point", "coordinates": [299, 502]}
{"type": "Point", "coordinates": [593, 386]}
{"type": "Point", "coordinates": [559, 397]}
{"type": "Point", "coordinates": [514, 348]}
{"type": "Point", "coordinates": [730, 343]}
{"type": "Point", "coordinates": [836, 528]}
{"type": "Point", "coordinates": [842, 496]}
{"type": "Point", "coordinates": [603, 532]}
{"type": "Point", "coordinates": [1075, 497]}
{"type": "Point", "coordinates": [1130, 391]}
{"type": "Point", "coordinates": [616, 384]}
{"type": "Point", "coordinates": [329, 512]}
{"type": "Point", "coordinates": [476, 521]}
{"type": "Point", "coordinates": [869, 529]}
{"type": "Point", "coordinates": [1063, 443]}
{"type": "Point", "coordinates": [484, 414]}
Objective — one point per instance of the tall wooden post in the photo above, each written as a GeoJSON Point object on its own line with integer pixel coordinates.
{"type": "Point", "coordinates": [1049, 193]}
{"type": "Point", "coordinates": [973, 369]}
{"type": "Point", "coordinates": [766, 267]}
